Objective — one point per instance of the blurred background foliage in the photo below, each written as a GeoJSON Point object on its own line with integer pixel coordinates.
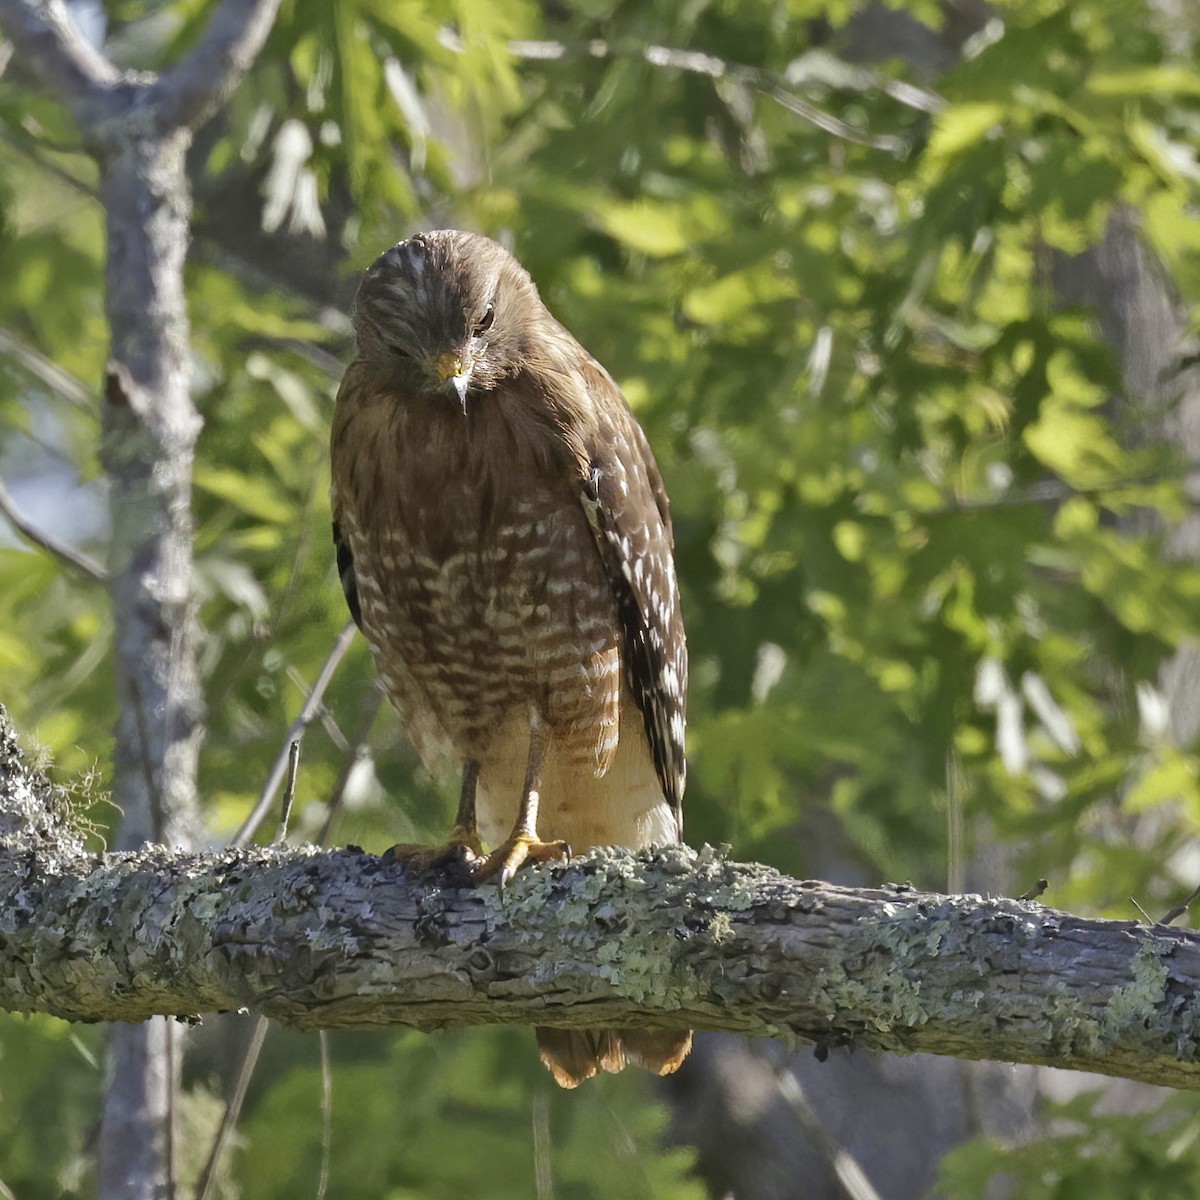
{"type": "Point", "coordinates": [931, 523]}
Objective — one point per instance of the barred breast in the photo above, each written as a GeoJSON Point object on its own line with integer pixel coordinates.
{"type": "Point", "coordinates": [482, 596]}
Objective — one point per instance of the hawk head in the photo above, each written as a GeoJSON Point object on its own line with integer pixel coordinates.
{"type": "Point", "coordinates": [447, 313]}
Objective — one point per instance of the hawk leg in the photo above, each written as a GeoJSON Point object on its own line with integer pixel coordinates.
{"type": "Point", "coordinates": [463, 845]}
{"type": "Point", "coordinates": [523, 844]}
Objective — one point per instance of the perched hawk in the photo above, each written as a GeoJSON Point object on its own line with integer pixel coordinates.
{"type": "Point", "coordinates": [504, 542]}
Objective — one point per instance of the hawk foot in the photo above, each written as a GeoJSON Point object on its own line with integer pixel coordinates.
{"type": "Point", "coordinates": [462, 848]}
{"type": "Point", "coordinates": [508, 857]}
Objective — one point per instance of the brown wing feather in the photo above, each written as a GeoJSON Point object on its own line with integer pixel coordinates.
{"type": "Point", "coordinates": [345, 568]}
{"type": "Point", "coordinates": [630, 516]}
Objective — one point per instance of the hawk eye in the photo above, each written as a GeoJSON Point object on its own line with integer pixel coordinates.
{"type": "Point", "coordinates": [398, 351]}
{"type": "Point", "coordinates": [485, 322]}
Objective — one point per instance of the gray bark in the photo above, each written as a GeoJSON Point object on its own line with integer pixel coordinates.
{"type": "Point", "coordinates": [1143, 320]}
{"type": "Point", "coordinates": [138, 127]}
{"type": "Point", "coordinates": [342, 939]}
{"type": "Point", "coordinates": [149, 430]}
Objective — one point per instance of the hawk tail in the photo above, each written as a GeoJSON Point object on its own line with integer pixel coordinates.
{"type": "Point", "coordinates": [573, 1055]}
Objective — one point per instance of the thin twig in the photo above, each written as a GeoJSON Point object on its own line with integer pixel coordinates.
{"type": "Point", "coordinates": [956, 857]}
{"type": "Point", "coordinates": [174, 1055]}
{"type": "Point", "coordinates": [328, 723]}
{"type": "Point", "coordinates": [230, 1117]}
{"type": "Point", "coordinates": [62, 383]}
{"type": "Point", "coordinates": [851, 1178]}
{"type": "Point", "coordinates": [1034, 892]}
{"type": "Point", "coordinates": [233, 1109]}
{"type": "Point", "coordinates": [207, 249]}
{"type": "Point", "coordinates": [1175, 913]}
{"type": "Point", "coordinates": [1054, 491]}
{"type": "Point", "coordinates": [543, 1167]}
{"type": "Point", "coordinates": [81, 562]}
{"type": "Point", "coordinates": [351, 759]}
{"type": "Point", "coordinates": [37, 151]}
{"type": "Point", "coordinates": [329, 364]}
{"type": "Point", "coordinates": [289, 792]}
{"type": "Point", "coordinates": [768, 83]}
{"type": "Point", "coordinates": [311, 707]}
{"type": "Point", "coordinates": [326, 1113]}
{"type": "Point", "coordinates": [1145, 915]}
{"type": "Point", "coordinates": [888, 142]}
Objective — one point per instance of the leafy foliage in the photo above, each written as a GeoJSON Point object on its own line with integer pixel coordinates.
{"type": "Point", "coordinates": [922, 506]}
{"type": "Point", "coordinates": [454, 1116]}
{"type": "Point", "coordinates": [1088, 1153]}
{"type": "Point", "coordinates": [51, 1081]}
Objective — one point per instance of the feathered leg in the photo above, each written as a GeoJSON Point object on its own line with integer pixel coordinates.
{"type": "Point", "coordinates": [463, 844]}
{"type": "Point", "coordinates": [523, 844]}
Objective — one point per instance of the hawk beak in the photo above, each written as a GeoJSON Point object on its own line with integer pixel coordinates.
{"type": "Point", "coordinates": [454, 369]}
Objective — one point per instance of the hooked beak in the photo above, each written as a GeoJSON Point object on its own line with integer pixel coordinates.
{"type": "Point", "coordinates": [454, 368]}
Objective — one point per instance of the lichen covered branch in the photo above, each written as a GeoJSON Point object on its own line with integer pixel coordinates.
{"type": "Point", "coordinates": [338, 939]}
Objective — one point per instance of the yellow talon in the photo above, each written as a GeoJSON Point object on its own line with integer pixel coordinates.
{"type": "Point", "coordinates": [508, 857]}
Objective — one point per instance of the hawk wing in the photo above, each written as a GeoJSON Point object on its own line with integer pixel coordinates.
{"type": "Point", "coordinates": [345, 568]}
{"type": "Point", "coordinates": [630, 516]}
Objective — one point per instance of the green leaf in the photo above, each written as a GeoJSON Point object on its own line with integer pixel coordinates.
{"type": "Point", "coordinates": [962, 126]}
{"type": "Point", "coordinates": [650, 228]}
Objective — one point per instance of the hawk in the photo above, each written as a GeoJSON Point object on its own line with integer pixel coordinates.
{"type": "Point", "coordinates": [504, 542]}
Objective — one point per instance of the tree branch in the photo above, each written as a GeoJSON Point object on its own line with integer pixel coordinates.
{"type": "Point", "coordinates": [312, 706]}
{"type": "Point", "coordinates": [83, 563]}
{"type": "Point", "coordinates": [138, 126]}
{"type": "Point", "coordinates": [60, 381]}
{"type": "Point", "coordinates": [65, 63]}
{"type": "Point", "coordinates": [189, 92]}
{"type": "Point", "coordinates": [781, 89]}
{"type": "Point", "coordinates": [339, 939]}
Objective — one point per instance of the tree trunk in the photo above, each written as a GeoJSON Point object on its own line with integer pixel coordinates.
{"type": "Point", "coordinates": [149, 435]}
{"type": "Point", "coordinates": [139, 126]}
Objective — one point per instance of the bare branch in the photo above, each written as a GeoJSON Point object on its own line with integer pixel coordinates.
{"type": "Point", "coordinates": [289, 792]}
{"type": "Point", "coordinates": [185, 95]}
{"type": "Point", "coordinates": [339, 939]}
{"type": "Point", "coordinates": [138, 128]}
{"type": "Point", "coordinates": [60, 381]}
{"type": "Point", "coordinates": [778, 88]}
{"type": "Point", "coordinates": [356, 753]}
{"type": "Point", "coordinates": [820, 119]}
{"type": "Point", "coordinates": [81, 562]}
{"type": "Point", "coordinates": [233, 1109]}
{"type": "Point", "coordinates": [1179, 909]}
{"type": "Point", "coordinates": [49, 41]}
{"type": "Point", "coordinates": [191, 90]}
{"type": "Point", "coordinates": [312, 706]}
{"type": "Point", "coordinates": [852, 1179]}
